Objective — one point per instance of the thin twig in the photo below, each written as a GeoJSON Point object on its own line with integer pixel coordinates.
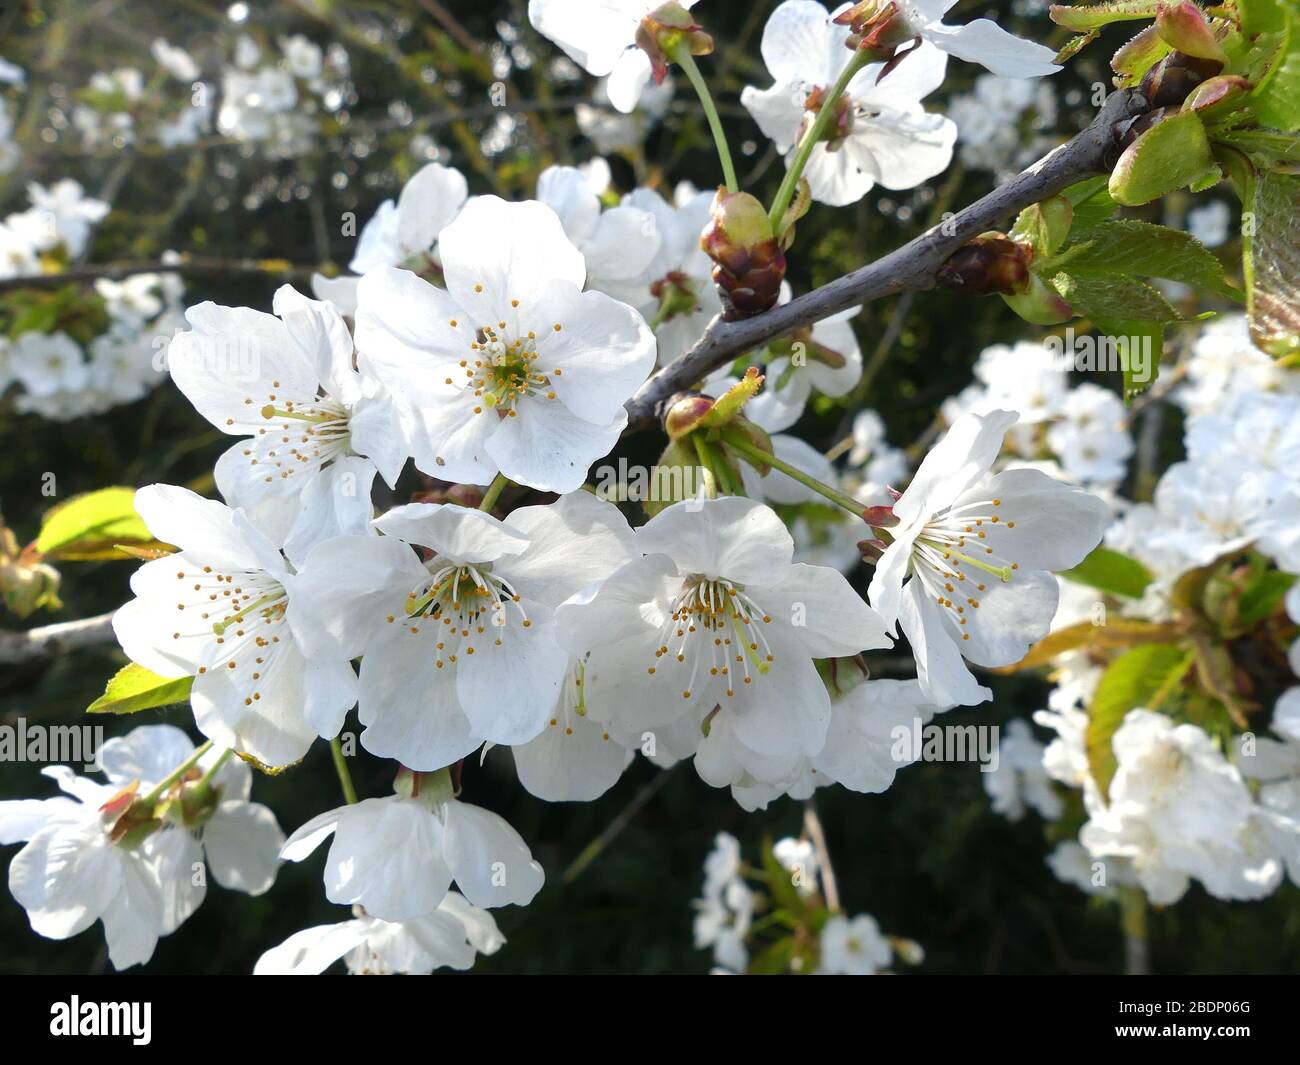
{"type": "Point", "coordinates": [812, 824]}
{"type": "Point", "coordinates": [596, 847]}
{"type": "Point", "coordinates": [911, 267]}
{"type": "Point", "coordinates": [49, 640]}
{"type": "Point", "coordinates": [190, 266]}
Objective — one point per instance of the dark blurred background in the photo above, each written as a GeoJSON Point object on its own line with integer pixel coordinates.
{"type": "Point", "coordinates": [928, 859]}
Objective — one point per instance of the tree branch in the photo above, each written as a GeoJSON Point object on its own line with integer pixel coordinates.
{"type": "Point", "coordinates": [909, 268]}
{"type": "Point", "coordinates": [51, 640]}
{"type": "Point", "coordinates": [189, 266]}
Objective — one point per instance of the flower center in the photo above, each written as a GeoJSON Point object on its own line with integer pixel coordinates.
{"type": "Point", "coordinates": [954, 543]}
{"type": "Point", "coordinates": [244, 611]}
{"type": "Point", "coordinates": [676, 294]}
{"type": "Point", "coordinates": [841, 123]}
{"type": "Point", "coordinates": [714, 620]}
{"type": "Point", "coordinates": [463, 601]}
{"type": "Point", "coordinates": [301, 436]}
{"type": "Point", "coordinates": [503, 371]}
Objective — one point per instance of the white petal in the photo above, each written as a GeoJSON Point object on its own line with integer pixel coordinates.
{"type": "Point", "coordinates": [960, 458]}
{"type": "Point", "coordinates": [985, 42]}
{"type": "Point", "coordinates": [428, 203]}
{"type": "Point", "coordinates": [490, 861]}
{"type": "Point", "coordinates": [548, 448]}
{"type": "Point", "coordinates": [313, 950]}
{"type": "Point", "coordinates": [818, 607]}
{"type": "Point", "coordinates": [242, 842]}
{"type": "Point", "coordinates": [496, 253]}
{"type": "Point", "coordinates": [454, 532]}
{"type": "Point", "coordinates": [736, 538]}
{"type": "Point", "coordinates": [944, 676]}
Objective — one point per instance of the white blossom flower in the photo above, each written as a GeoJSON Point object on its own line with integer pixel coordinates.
{"type": "Point", "coordinates": [798, 857]}
{"type": "Point", "coordinates": [1091, 438]}
{"type": "Point", "coordinates": [513, 369]}
{"type": "Point", "coordinates": [676, 291]}
{"type": "Point", "coordinates": [853, 947]}
{"type": "Point", "coordinates": [1178, 809]}
{"type": "Point", "coordinates": [717, 623]}
{"type": "Point", "coordinates": [71, 873]}
{"type": "Point", "coordinates": [176, 61]}
{"type": "Point", "coordinates": [967, 569]}
{"type": "Point", "coordinates": [982, 41]}
{"type": "Point", "coordinates": [601, 38]}
{"type": "Point", "coordinates": [239, 843]}
{"type": "Point", "coordinates": [46, 364]}
{"type": "Point", "coordinates": [216, 611]}
{"type": "Point", "coordinates": [879, 134]}
{"type": "Point", "coordinates": [618, 244]}
{"type": "Point", "coordinates": [396, 857]}
{"type": "Point", "coordinates": [451, 937]}
{"type": "Point", "coordinates": [1020, 780]}
{"type": "Point", "coordinates": [302, 56]}
{"type": "Point", "coordinates": [286, 384]}
{"type": "Point", "coordinates": [460, 648]}
{"type": "Point", "coordinates": [61, 213]}
{"type": "Point", "coordinates": [402, 233]}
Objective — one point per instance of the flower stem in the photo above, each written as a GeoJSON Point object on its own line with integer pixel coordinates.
{"type": "Point", "coordinates": [215, 767]}
{"type": "Point", "coordinates": [758, 456]}
{"type": "Point", "coordinates": [803, 151]}
{"type": "Point", "coordinates": [178, 772]}
{"type": "Point", "coordinates": [681, 55]}
{"type": "Point", "coordinates": [702, 455]}
{"type": "Point", "coordinates": [341, 768]}
{"type": "Point", "coordinates": [493, 492]}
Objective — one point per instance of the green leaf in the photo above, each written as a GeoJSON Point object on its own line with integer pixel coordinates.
{"type": "Point", "coordinates": [1271, 235]}
{"type": "Point", "coordinates": [1134, 59]}
{"type": "Point", "coordinates": [1045, 225]}
{"type": "Point", "coordinates": [1074, 46]}
{"type": "Point", "coordinates": [1113, 297]}
{"type": "Point", "coordinates": [135, 688]}
{"type": "Point", "coordinates": [1140, 345]}
{"type": "Point", "coordinates": [1276, 99]}
{"type": "Point", "coordinates": [1143, 677]}
{"type": "Point", "coordinates": [1261, 16]}
{"type": "Point", "coordinates": [1092, 203]}
{"type": "Point", "coordinates": [87, 524]}
{"type": "Point", "coordinates": [1267, 147]}
{"type": "Point", "coordinates": [1084, 18]}
{"type": "Point", "coordinates": [1111, 572]}
{"type": "Point", "coordinates": [1261, 598]}
{"type": "Point", "coordinates": [1169, 156]}
{"type": "Point", "coordinates": [1127, 246]}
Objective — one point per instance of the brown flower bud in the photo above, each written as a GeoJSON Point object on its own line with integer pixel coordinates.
{"type": "Point", "coordinates": [1168, 82]}
{"type": "Point", "coordinates": [876, 27]}
{"type": "Point", "coordinates": [748, 261]}
{"type": "Point", "coordinates": [990, 263]}
{"type": "Point", "coordinates": [685, 410]}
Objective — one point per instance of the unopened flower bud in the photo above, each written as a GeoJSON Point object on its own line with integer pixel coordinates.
{"type": "Point", "coordinates": [871, 550]}
{"type": "Point", "coordinates": [748, 261]}
{"type": "Point", "coordinates": [27, 588]}
{"type": "Point", "coordinates": [1168, 82]}
{"type": "Point", "coordinates": [1039, 303]}
{"type": "Point", "coordinates": [1184, 27]}
{"type": "Point", "coordinates": [1222, 89]}
{"type": "Point", "coordinates": [880, 517]}
{"type": "Point", "coordinates": [992, 262]}
{"type": "Point", "coordinates": [685, 410]}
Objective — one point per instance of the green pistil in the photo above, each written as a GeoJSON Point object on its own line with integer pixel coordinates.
{"type": "Point", "coordinates": [220, 627]}
{"type": "Point", "coordinates": [270, 411]}
{"type": "Point", "coordinates": [1003, 573]}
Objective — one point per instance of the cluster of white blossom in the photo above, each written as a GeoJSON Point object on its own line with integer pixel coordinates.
{"type": "Point", "coordinates": [1004, 124]}
{"type": "Point", "coordinates": [495, 345]}
{"type": "Point", "coordinates": [724, 916]}
{"type": "Point", "coordinates": [271, 95]}
{"type": "Point", "coordinates": [60, 377]}
{"type": "Point", "coordinates": [1183, 804]}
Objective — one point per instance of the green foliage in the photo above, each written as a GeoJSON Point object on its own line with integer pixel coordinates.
{"type": "Point", "coordinates": [1112, 572]}
{"type": "Point", "coordinates": [90, 526]}
{"type": "Point", "coordinates": [1143, 677]}
{"type": "Point", "coordinates": [134, 688]}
